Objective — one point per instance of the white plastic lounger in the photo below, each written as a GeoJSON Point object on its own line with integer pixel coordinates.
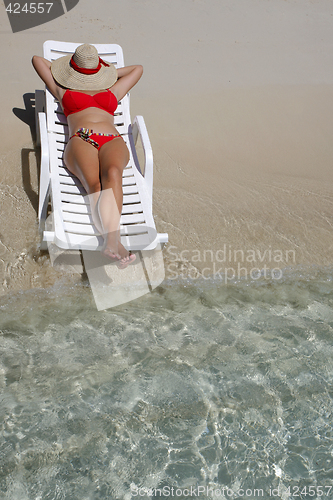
{"type": "Point", "coordinates": [72, 226]}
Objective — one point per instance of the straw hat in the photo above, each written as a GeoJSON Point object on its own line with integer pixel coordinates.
{"type": "Point", "coordinates": [84, 70]}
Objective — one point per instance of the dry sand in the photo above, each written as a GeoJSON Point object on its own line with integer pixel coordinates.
{"type": "Point", "coordinates": [238, 101]}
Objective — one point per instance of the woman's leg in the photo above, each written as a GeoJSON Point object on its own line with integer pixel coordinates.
{"type": "Point", "coordinates": [113, 158]}
{"type": "Point", "coordinates": [81, 159]}
{"type": "Point", "coordinates": [100, 173]}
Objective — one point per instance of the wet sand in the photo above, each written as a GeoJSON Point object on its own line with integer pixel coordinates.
{"type": "Point", "coordinates": [237, 98]}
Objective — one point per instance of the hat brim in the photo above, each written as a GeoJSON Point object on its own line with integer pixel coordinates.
{"type": "Point", "coordinates": [68, 77]}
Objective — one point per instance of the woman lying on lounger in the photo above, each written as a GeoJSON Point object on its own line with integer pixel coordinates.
{"type": "Point", "coordinates": [95, 153]}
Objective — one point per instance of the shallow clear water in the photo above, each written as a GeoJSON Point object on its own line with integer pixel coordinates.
{"type": "Point", "coordinates": [195, 385]}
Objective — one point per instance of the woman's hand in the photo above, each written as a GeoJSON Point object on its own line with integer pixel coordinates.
{"type": "Point", "coordinates": [127, 78]}
{"type": "Point", "coordinates": [43, 68]}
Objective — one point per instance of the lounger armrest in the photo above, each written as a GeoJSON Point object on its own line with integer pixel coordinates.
{"type": "Point", "coordinates": [39, 108]}
{"type": "Point", "coordinates": [44, 171]}
{"type": "Point", "coordinates": [139, 127]}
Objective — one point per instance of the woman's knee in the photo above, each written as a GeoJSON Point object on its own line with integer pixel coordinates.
{"type": "Point", "coordinates": [93, 187]}
{"type": "Point", "coordinates": [111, 174]}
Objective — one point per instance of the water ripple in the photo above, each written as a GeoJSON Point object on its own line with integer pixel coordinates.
{"type": "Point", "coordinates": [192, 385]}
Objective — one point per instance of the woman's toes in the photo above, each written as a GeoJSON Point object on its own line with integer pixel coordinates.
{"type": "Point", "coordinates": [126, 261]}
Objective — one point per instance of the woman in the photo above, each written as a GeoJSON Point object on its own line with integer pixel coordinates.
{"type": "Point", "coordinates": [95, 153]}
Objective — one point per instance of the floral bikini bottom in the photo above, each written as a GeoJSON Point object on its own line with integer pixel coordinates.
{"type": "Point", "coordinates": [95, 139]}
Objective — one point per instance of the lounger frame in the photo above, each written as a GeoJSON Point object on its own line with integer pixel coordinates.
{"type": "Point", "coordinates": [70, 224]}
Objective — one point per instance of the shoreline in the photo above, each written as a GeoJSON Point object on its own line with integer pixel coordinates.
{"type": "Point", "coordinates": [297, 286]}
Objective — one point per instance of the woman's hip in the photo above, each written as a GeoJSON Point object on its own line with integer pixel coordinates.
{"type": "Point", "coordinates": [95, 139]}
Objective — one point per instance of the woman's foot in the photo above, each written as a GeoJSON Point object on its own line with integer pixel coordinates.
{"type": "Point", "coordinates": [122, 257]}
{"type": "Point", "coordinates": [126, 261]}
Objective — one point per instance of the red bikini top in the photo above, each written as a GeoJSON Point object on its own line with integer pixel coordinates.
{"type": "Point", "coordinates": [73, 101]}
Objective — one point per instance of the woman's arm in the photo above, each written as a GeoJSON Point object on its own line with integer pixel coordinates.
{"type": "Point", "coordinates": [127, 78]}
{"type": "Point", "coordinates": [43, 69]}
